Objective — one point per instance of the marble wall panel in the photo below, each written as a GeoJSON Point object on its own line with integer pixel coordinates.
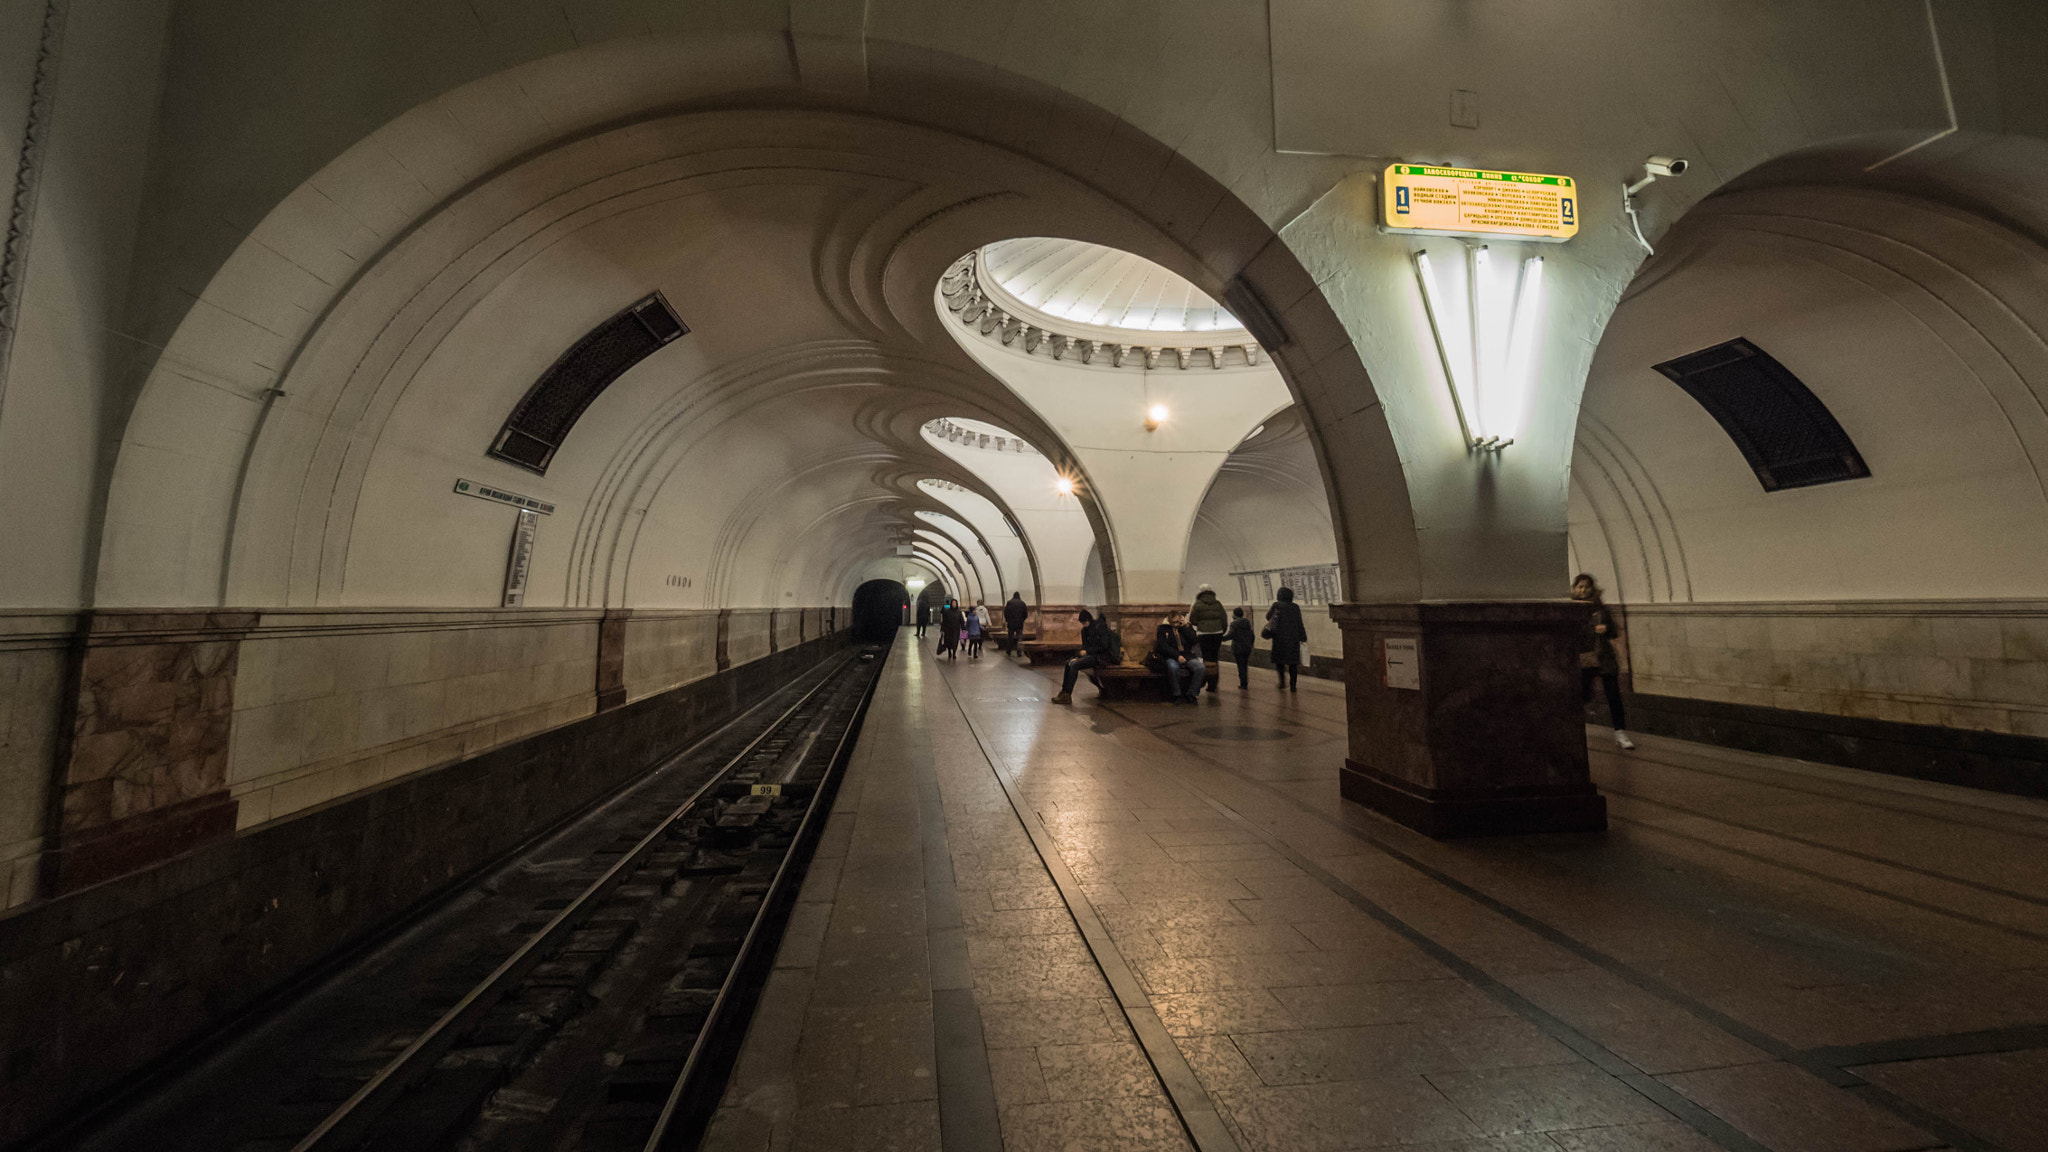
{"type": "Point", "coordinates": [338, 701]}
{"type": "Point", "coordinates": [144, 773]}
{"type": "Point", "coordinates": [1974, 664]}
{"type": "Point", "coordinates": [33, 656]}
{"type": "Point", "coordinates": [747, 636]}
{"type": "Point", "coordinates": [664, 650]}
{"type": "Point", "coordinates": [188, 725]}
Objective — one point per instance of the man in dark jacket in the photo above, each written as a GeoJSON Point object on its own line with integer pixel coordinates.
{"type": "Point", "coordinates": [1098, 647]}
{"type": "Point", "coordinates": [1209, 620]}
{"type": "Point", "coordinates": [924, 616]}
{"type": "Point", "coordinates": [1176, 646]}
{"type": "Point", "coordinates": [1015, 612]}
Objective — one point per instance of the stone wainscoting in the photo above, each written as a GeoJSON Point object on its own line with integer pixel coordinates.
{"type": "Point", "coordinates": [1951, 690]}
{"type": "Point", "coordinates": [129, 736]}
{"type": "Point", "coordinates": [98, 982]}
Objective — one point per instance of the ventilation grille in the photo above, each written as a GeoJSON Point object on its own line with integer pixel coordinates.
{"type": "Point", "coordinates": [1788, 436]}
{"type": "Point", "coordinates": [542, 419]}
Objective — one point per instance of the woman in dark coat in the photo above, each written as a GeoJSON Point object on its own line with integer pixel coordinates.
{"type": "Point", "coordinates": [1285, 629]}
{"type": "Point", "coordinates": [950, 623]}
{"type": "Point", "coordinates": [1597, 660]}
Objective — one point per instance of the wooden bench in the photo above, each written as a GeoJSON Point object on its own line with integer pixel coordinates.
{"type": "Point", "coordinates": [1008, 641]}
{"type": "Point", "coordinates": [1137, 682]}
{"type": "Point", "coordinates": [1050, 651]}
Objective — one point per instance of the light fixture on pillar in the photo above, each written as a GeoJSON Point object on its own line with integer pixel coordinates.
{"type": "Point", "coordinates": [1490, 358]}
{"type": "Point", "coordinates": [1065, 486]}
{"type": "Point", "coordinates": [1154, 417]}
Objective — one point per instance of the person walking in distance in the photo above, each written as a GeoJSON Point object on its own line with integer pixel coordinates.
{"type": "Point", "coordinates": [1210, 622]}
{"type": "Point", "coordinates": [924, 616]}
{"type": "Point", "coordinates": [1285, 629]}
{"type": "Point", "coordinates": [1241, 648]}
{"type": "Point", "coordinates": [1098, 650]}
{"type": "Point", "coordinates": [1015, 612]}
{"type": "Point", "coordinates": [1597, 660]}
{"type": "Point", "coordinates": [950, 624]}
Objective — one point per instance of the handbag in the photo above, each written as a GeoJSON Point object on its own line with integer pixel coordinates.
{"type": "Point", "coordinates": [1266, 633]}
{"type": "Point", "coordinates": [1589, 659]}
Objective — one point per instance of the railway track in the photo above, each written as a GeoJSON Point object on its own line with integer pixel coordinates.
{"type": "Point", "coordinates": [606, 1017]}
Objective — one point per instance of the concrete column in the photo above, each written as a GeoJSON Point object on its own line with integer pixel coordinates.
{"type": "Point", "coordinates": [1488, 739]}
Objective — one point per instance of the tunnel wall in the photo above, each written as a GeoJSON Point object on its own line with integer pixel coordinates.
{"type": "Point", "coordinates": [98, 982]}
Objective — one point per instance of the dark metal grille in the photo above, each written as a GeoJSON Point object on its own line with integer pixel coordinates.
{"type": "Point", "coordinates": [543, 417]}
{"type": "Point", "coordinates": [1788, 436]}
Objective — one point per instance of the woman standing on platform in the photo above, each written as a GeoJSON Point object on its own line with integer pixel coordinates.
{"type": "Point", "coordinates": [950, 625]}
{"type": "Point", "coordinates": [1285, 629]}
{"type": "Point", "coordinates": [1597, 660]}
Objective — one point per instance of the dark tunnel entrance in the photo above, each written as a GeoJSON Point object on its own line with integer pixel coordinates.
{"type": "Point", "coordinates": [879, 608]}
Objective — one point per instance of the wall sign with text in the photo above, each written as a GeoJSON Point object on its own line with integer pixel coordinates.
{"type": "Point", "coordinates": [1401, 663]}
{"type": "Point", "coordinates": [1430, 201]}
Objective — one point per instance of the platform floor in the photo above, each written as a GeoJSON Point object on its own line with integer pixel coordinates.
{"type": "Point", "coordinates": [1139, 926]}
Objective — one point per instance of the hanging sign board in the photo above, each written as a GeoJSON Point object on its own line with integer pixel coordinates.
{"type": "Point", "coordinates": [520, 563]}
{"type": "Point", "coordinates": [1401, 663]}
{"type": "Point", "coordinates": [1428, 201]}
{"type": "Point", "coordinates": [486, 492]}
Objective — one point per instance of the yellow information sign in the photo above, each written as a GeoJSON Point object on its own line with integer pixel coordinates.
{"type": "Point", "coordinates": [1432, 201]}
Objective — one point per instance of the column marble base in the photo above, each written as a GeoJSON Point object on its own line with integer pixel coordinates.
{"type": "Point", "coordinates": [1491, 740]}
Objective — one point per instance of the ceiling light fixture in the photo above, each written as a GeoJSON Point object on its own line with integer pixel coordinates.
{"type": "Point", "coordinates": [1154, 417]}
{"type": "Point", "coordinates": [1490, 358]}
{"type": "Point", "coordinates": [1065, 486]}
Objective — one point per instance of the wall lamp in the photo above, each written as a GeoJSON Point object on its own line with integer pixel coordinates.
{"type": "Point", "coordinates": [1490, 357]}
{"type": "Point", "coordinates": [1065, 486]}
{"type": "Point", "coordinates": [1154, 417]}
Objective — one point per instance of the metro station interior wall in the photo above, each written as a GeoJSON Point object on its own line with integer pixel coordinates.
{"type": "Point", "coordinates": [33, 663]}
{"type": "Point", "coordinates": [73, 363]}
{"type": "Point", "coordinates": [747, 635]}
{"type": "Point", "coordinates": [1973, 664]}
{"type": "Point", "coordinates": [1911, 597]}
{"type": "Point", "coordinates": [1267, 509]}
{"type": "Point", "coordinates": [330, 703]}
{"type": "Point", "coordinates": [97, 983]}
{"type": "Point", "coordinates": [734, 491]}
{"type": "Point", "coordinates": [668, 649]}
{"type": "Point", "coordinates": [1094, 589]}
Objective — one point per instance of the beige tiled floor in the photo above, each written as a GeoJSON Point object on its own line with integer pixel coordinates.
{"type": "Point", "coordinates": [1335, 982]}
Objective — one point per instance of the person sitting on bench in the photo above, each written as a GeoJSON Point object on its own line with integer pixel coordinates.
{"type": "Point", "coordinates": [1177, 647]}
{"type": "Point", "coordinates": [1099, 648]}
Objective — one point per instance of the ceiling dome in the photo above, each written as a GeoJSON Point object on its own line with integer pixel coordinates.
{"type": "Point", "coordinates": [1102, 287]}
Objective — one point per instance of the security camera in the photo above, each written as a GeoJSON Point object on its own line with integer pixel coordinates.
{"type": "Point", "coordinates": [1654, 167]}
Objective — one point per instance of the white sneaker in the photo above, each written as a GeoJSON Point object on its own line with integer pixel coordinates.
{"type": "Point", "coordinates": [1621, 738]}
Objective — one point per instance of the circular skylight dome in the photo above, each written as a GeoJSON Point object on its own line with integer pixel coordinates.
{"type": "Point", "coordinates": [1102, 287]}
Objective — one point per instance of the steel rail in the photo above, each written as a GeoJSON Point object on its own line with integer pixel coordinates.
{"type": "Point", "coordinates": [671, 1109]}
{"type": "Point", "coordinates": [353, 1119]}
